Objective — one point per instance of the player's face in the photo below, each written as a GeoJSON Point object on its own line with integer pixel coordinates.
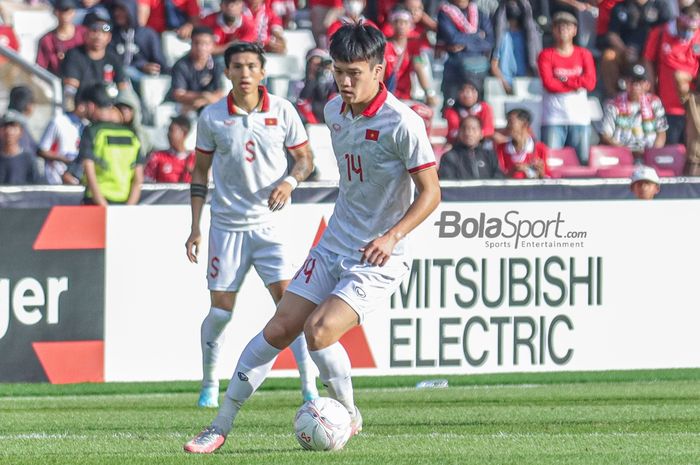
{"type": "Point", "coordinates": [245, 72]}
{"type": "Point", "coordinates": [645, 190]}
{"type": "Point", "coordinates": [358, 82]}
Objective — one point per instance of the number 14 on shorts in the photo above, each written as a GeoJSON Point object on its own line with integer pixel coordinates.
{"type": "Point", "coordinates": [354, 165]}
{"type": "Point", "coordinates": [307, 268]}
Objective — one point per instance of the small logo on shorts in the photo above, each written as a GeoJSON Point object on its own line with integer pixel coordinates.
{"type": "Point", "coordinates": [212, 345]}
{"type": "Point", "coordinates": [242, 376]}
{"type": "Point", "coordinates": [360, 292]}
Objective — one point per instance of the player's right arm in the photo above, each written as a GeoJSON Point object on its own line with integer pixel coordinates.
{"type": "Point", "coordinates": [200, 177]}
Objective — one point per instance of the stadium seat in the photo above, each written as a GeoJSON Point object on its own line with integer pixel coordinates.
{"type": "Point", "coordinates": [620, 171]}
{"type": "Point", "coordinates": [668, 161]}
{"type": "Point", "coordinates": [30, 26]}
{"type": "Point", "coordinates": [605, 156]}
{"type": "Point", "coordinates": [299, 42]}
{"type": "Point", "coordinates": [493, 88]}
{"type": "Point", "coordinates": [287, 66]}
{"type": "Point", "coordinates": [527, 87]}
{"type": "Point", "coordinates": [564, 163]}
{"type": "Point", "coordinates": [174, 48]}
{"type": "Point", "coordinates": [153, 90]}
{"type": "Point", "coordinates": [324, 159]}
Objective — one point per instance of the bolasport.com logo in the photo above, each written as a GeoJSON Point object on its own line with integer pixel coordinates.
{"type": "Point", "coordinates": [512, 230]}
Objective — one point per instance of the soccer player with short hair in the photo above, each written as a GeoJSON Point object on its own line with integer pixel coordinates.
{"type": "Point", "coordinates": [380, 145]}
{"type": "Point", "coordinates": [243, 138]}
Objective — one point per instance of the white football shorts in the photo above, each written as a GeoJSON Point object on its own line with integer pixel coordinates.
{"type": "Point", "coordinates": [231, 253]}
{"type": "Point", "coordinates": [362, 286]}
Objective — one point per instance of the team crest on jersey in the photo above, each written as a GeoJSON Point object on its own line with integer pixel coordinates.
{"type": "Point", "coordinates": [229, 122]}
{"type": "Point", "coordinates": [372, 134]}
{"type": "Point", "coordinates": [336, 127]}
{"type": "Point", "coordinates": [270, 121]}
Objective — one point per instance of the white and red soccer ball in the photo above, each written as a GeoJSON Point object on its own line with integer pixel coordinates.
{"type": "Point", "coordinates": [322, 424]}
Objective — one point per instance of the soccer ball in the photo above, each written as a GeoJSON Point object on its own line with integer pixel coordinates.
{"type": "Point", "coordinates": [322, 424]}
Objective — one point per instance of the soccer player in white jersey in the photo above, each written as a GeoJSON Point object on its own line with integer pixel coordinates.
{"type": "Point", "coordinates": [244, 137]}
{"type": "Point", "coordinates": [380, 145]}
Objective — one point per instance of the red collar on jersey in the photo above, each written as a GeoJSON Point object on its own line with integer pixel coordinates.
{"type": "Point", "coordinates": [232, 108]}
{"type": "Point", "coordinates": [374, 105]}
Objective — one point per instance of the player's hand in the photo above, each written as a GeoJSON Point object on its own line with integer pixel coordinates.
{"type": "Point", "coordinates": [379, 250]}
{"type": "Point", "coordinates": [192, 245]}
{"type": "Point", "coordinates": [279, 196]}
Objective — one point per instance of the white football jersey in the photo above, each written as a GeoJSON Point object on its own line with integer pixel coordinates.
{"type": "Point", "coordinates": [376, 152]}
{"type": "Point", "coordinates": [249, 157]}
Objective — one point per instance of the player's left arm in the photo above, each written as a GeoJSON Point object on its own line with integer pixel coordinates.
{"type": "Point", "coordinates": [303, 166]}
{"type": "Point", "coordinates": [379, 250]}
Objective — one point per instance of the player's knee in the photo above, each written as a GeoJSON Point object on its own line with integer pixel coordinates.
{"type": "Point", "coordinates": [279, 334]}
{"type": "Point", "coordinates": [318, 336]}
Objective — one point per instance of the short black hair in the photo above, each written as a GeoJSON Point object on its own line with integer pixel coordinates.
{"type": "Point", "coordinates": [95, 93]}
{"type": "Point", "coordinates": [21, 97]}
{"type": "Point", "coordinates": [472, 118]}
{"type": "Point", "coordinates": [358, 42]}
{"type": "Point", "coordinates": [522, 114]}
{"type": "Point", "coordinates": [182, 121]}
{"type": "Point", "coordinates": [244, 47]}
{"type": "Point", "coordinates": [201, 30]}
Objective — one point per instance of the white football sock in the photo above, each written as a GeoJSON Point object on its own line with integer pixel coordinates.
{"type": "Point", "coordinates": [307, 369]}
{"type": "Point", "coordinates": [212, 338]}
{"type": "Point", "coordinates": [334, 366]}
{"type": "Point", "coordinates": [252, 369]}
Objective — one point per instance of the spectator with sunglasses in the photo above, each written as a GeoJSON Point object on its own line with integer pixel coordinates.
{"type": "Point", "coordinates": [92, 63]}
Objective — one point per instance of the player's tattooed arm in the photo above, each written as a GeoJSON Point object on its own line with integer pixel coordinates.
{"type": "Point", "coordinates": [303, 162]}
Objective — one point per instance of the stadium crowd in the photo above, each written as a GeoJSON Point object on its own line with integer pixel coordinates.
{"type": "Point", "coordinates": [637, 60]}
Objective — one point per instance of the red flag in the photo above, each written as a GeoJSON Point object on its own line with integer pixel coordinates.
{"type": "Point", "coordinates": [371, 134]}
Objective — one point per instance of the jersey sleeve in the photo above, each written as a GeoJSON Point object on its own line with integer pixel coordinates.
{"type": "Point", "coordinates": [205, 139]}
{"type": "Point", "coordinates": [296, 133]}
{"type": "Point", "coordinates": [413, 145]}
{"type": "Point", "coordinates": [49, 136]}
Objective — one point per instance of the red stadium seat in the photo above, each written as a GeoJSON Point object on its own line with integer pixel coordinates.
{"type": "Point", "coordinates": [620, 171]}
{"type": "Point", "coordinates": [605, 156]}
{"type": "Point", "coordinates": [668, 161]}
{"type": "Point", "coordinates": [563, 163]}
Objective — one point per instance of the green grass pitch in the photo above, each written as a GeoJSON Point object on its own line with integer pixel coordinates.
{"type": "Point", "coordinates": [630, 418]}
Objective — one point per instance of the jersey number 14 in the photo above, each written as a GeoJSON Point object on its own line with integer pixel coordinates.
{"type": "Point", "coordinates": [354, 164]}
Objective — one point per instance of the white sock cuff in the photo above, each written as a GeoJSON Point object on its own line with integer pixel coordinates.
{"type": "Point", "coordinates": [220, 314]}
{"type": "Point", "coordinates": [262, 348]}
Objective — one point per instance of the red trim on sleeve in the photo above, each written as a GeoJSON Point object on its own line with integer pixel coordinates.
{"type": "Point", "coordinates": [421, 167]}
{"type": "Point", "coordinates": [205, 152]}
{"type": "Point", "coordinates": [298, 145]}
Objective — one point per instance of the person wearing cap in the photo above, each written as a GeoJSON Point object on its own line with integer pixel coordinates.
{"type": "Point", "coordinates": [318, 87]}
{"type": "Point", "coordinates": [22, 101]}
{"type": "Point", "coordinates": [635, 118]}
{"type": "Point", "coordinates": [518, 43]}
{"type": "Point", "coordinates": [466, 104]}
{"type": "Point", "coordinates": [673, 48]}
{"type": "Point", "coordinates": [466, 33]}
{"type": "Point", "coordinates": [53, 45]}
{"type": "Point", "coordinates": [568, 73]}
{"type": "Point", "coordinates": [230, 25]}
{"type": "Point", "coordinates": [109, 154]}
{"type": "Point", "coordinates": [176, 163]}
{"type": "Point", "coordinates": [196, 77]}
{"type": "Point", "coordinates": [92, 63]}
{"type": "Point", "coordinates": [630, 23]}
{"type": "Point", "coordinates": [17, 166]}
{"type": "Point", "coordinates": [645, 183]}
{"type": "Point", "coordinates": [138, 46]}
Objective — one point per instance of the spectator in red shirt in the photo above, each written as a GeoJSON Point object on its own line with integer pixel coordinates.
{"type": "Point", "coordinates": [323, 14]}
{"type": "Point", "coordinates": [182, 17]}
{"type": "Point", "coordinates": [8, 39]}
{"type": "Point", "coordinates": [522, 157]}
{"type": "Point", "coordinates": [351, 14]}
{"type": "Point", "coordinates": [568, 74]}
{"type": "Point", "coordinates": [268, 26]}
{"type": "Point", "coordinates": [422, 23]}
{"type": "Point", "coordinates": [286, 10]}
{"type": "Point", "coordinates": [230, 25]}
{"type": "Point", "coordinates": [54, 44]}
{"type": "Point", "coordinates": [673, 48]}
{"type": "Point", "coordinates": [176, 163]}
{"type": "Point", "coordinates": [468, 104]}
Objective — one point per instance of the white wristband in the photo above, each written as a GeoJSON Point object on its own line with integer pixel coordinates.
{"type": "Point", "coordinates": [292, 181]}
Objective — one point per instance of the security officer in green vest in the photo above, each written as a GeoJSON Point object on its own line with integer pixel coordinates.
{"type": "Point", "coordinates": [110, 154]}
